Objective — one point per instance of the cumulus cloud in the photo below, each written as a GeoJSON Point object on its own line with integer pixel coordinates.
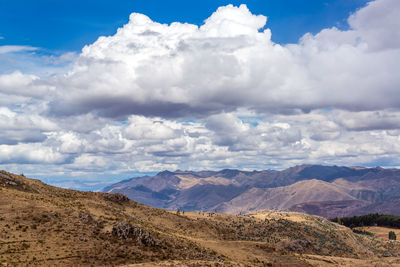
{"type": "Point", "coordinates": [369, 120]}
{"type": "Point", "coordinates": [377, 24]}
{"type": "Point", "coordinates": [220, 95]}
{"type": "Point", "coordinates": [141, 128]}
{"type": "Point", "coordinates": [25, 128]}
{"type": "Point", "coordinates": [17, 83]}
{"type": "Point", "coordinates": [30, 154]}
{"type": "Point", "coordinates": [179, 70]}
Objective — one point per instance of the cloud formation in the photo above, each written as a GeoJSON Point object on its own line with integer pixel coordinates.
{"type": "Point", "coordinates": [230, 62]}
{"type": "Point", "coordinates": [156, 96]}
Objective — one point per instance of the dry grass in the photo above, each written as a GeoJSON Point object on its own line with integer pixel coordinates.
{"type": "Point", "coordinates": [42, 225]}
{"type": "Point", "coordinates": [379, 231]}
{"type": "Point", "coordinates": [323, 261]}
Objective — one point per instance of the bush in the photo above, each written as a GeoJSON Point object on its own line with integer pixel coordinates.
{"type": "Point", "coordinates": [362, 232]}
{"type": "Point", "coordinates": [392, 235]}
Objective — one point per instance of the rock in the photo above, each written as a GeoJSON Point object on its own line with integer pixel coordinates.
{"type": "Point", "coordinates": [85, 217]}
{"type": "Point", "coordinates": [5, 179]}
{"type": "Point", "coordinates": [125, 230]}
{"type": "Point", "coordinates": [122, 230]}
{"type": "Point", "coordinates": [117, 198]}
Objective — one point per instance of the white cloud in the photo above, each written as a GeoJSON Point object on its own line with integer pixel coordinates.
{"type": "Point", "coordinates": [181, 69]}
{"type": "Point", "coordinates": [70, 143]}
{"type": "Point", "coordinates": [17, 83]}
{"type": "Point", "coordinates": [15, 48]}
{"type": "Point", "coordinates": [377, 24]}
{"type": "Point", "coordinates": [141, 128]}
{"type": "Point", "coordinates": [90, 162]}
{"type": "Point", "coordinates": [156, 96]}
{"type": "Point", "coordinates": [369, 120]}
{"type": "Point", "coordinates": [30, 154]}
{"type": "Point", "coordinates": [16, 127]}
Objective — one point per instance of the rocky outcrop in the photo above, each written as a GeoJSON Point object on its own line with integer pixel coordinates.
{"type": "Point", "coordinates": [117, 198]}
{"type": "Point", "coordinates": [7, 180]}
{"type": "Point", "coordinates": [125, 230]}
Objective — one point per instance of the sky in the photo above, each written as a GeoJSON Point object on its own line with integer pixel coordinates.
{"type": "Point", "coordinates": [99, 91]}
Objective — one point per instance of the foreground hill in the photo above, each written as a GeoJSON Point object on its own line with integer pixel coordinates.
{"type": "Point", "coordinates": [329, 191]}
{"type": "Point", "coordinates": [47, 226]}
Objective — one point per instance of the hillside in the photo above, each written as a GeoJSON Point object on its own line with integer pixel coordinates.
{"type": "Point", "coordinates": [283, 198]}
{"type": "Point", "coordinates": [329, 191]}
{"type": "Point", "coordinates": [43, 225]}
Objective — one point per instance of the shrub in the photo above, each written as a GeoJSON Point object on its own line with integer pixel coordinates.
{"type": "Point", "coordinates": [362, 232]}
{"type": "Point", "coordinates": [392, 235]}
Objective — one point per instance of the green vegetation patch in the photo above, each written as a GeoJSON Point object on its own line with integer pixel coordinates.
{"type": "Point", "coordinates": [373, 219]}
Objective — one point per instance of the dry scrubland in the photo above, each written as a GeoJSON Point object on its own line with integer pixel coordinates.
{"type": "Point", "coordinates": [380, 231]}
{"type": "Point", "coordinates": [41, 225]}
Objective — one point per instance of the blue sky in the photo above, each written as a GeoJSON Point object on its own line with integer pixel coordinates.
{"type": "Point", "coordinates": [196, 85]}
{"type": "Point", "coordinates": [69, 25]}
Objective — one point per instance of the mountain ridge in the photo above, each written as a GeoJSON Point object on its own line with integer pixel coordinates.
{"type": "Point", "coordinates": [229, 190]}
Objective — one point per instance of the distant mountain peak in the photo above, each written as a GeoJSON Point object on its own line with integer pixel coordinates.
{"type": "Point", "coordinates": [209, 190]}
{"type": "Point", "coordinates": [228, 173]}
{"type": "Point", "coordinates": [163, 173]}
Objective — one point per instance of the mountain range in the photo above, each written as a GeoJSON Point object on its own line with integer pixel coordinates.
{"type": "Point", "coordinates": [329, 191]}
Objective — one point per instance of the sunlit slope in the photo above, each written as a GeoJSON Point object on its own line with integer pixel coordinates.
{"type": "Point", "coordinates": [44, 225]}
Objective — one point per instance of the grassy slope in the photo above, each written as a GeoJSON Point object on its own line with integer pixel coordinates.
{"type": "Point", "coordinates": [45, 225]}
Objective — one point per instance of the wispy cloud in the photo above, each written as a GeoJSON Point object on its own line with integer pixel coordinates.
{"type": "Point", "coordinates": [15, 48]}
